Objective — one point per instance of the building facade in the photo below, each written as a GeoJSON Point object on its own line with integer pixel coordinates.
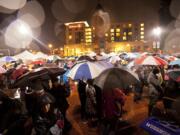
{"type": "Point", "coordinates": [125, 36]}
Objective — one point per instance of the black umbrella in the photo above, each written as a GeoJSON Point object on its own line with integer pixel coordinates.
{"type": "Point", "coordinates": [174, 74]}
{"type": "Point", "coordinates": [39, 73]}
{"type": "Point", "coordinates": [116, 78]}
{"type": "Point", "coordinates": [85, 57]}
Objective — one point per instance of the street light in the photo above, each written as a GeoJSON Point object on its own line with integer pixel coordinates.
{"type": "Point", "coordinates": [157, 32]}
{"type": "Point", "coordinates": [50, 47]}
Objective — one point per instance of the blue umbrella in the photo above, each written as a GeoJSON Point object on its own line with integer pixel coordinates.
{"type": "Point", "coordinates": [7, 59]}
{"type": "Point", "coordinates": [85, 70]}
{"type": "Point", "coordinates": [176, 62]}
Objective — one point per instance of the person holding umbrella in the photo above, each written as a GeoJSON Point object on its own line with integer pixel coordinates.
{"type": "Point", "coordinates": [47, 120]}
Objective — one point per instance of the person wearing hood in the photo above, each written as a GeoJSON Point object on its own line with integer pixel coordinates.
{"type": "Point", "coordinates": [47, 120]}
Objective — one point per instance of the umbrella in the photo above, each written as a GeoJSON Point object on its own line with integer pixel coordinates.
{"type": "Point", "coordinates": [2, 70]}
{"type": "Point", "coordinates": [41, 73]}
{"type": "Point", "coordinates": [150, 60]}
{"type": "Point", "coordinates": [85, 70]}
{"type": "Point", "coordinates": [85, 57]}
{"type": "Point", "coordinates": [114, 59]}
{"type": "Point", "coordinates": [38, 62]}
{"type": "Point", "coordinates": [18, 72]}
{"type": "Point", "coordinates": [54, 57]}
{"type": "Point", "coordinates": [176, 62]}
{"type": "Point", "coordinates": [116, 78]}
{"type": "Point", "coordinates": [174, 74]}
{"type": "Point", "coordinates": [104, 64]}
{"type": "Point", "coordinates": [7, 59]}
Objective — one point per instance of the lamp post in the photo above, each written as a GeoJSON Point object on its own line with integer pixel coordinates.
{"type": "Point", "coordinates": [156, 44]}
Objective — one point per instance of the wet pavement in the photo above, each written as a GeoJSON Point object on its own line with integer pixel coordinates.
{"type": "Point", "coordinates": [135, 113]}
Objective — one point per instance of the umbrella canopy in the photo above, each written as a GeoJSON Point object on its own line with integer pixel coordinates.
{"type": "Point", "coordinates": [2, 70]}
{"type": "Point", "coordinates": [38, 62]}
{"type": "Point", "coordinates": [85, 57]}
{"type": "Point", "coordinates": [170, 58]}
{"type": "Point", "coordinates": [20, 70]}
{"type": "Point", "coordinates": [104, 64]}
{"type": "Point", "coordinates": [132, 55]}
{"type": "Point", "coordinates": [174, 74]}
{"type": "Point", "coordinates": [150, 60]}
{"type": "Point", "coordinates": [42, 72]}
{"type": "Point", "coordinates": [85, 70]}
{"type": "Point", "coordinates": [7, 59]}
{"type": "Point", "coordinates": [176, 62]}
{"type": "Point", "coordinates": [54, 57]}
{"type": "Point", "coordinates": [114, 59]}
{"type": "Point", "coordinates": [116, 78]}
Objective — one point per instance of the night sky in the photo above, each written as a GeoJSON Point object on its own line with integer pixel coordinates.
{"type": "Point", "coordinates": [58, 12]}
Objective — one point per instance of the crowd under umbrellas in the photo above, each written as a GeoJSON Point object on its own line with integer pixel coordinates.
{"type": "Point", "coordinates": [36, 83]}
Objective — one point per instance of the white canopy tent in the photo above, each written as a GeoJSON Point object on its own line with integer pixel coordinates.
{"type": "Point", "coordinates": [26, 55]}
{"type": "Point", "coordinates": [40, 55]}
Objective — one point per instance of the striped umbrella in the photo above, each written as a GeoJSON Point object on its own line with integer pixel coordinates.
{"type": "Point", "coordinates": [85, 70]}
{"type": "Point", "coordinates": [150, 60]}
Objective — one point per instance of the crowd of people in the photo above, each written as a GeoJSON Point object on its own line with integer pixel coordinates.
{"type": "Point", "coordinates": [41, 108]}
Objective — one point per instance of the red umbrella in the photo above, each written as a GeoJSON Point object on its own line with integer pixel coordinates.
{"type": "Point", "coordinates": [18, 72]}
{"type": "Point", "coordinates": [150, 60]}
{"type": "Point", "coordinates": [38, 62]}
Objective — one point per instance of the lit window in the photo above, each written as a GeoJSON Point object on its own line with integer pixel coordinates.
{"type": "Point", "coordinates": [88, 40]}
{"type": "Point", "coordinates": [129, 33]}
{"type": "Point", "coordinates": [112, 30]}
{"type": "Point", "coordinates": [70, 37]}
{"type": "Point", "coordinates": [142, 29]}
{"type": "Point", "coordinates": [112, 34]}
{"type": "Point", "coordinates": [118, 30]}
{"type": "Point", "coordinates": [142, 24]}
{"type": "Point", "coordinates": [130, 25]}
{"type": "Point", "coordinates": [142, 33]}
{"type": "Point", "coordinates": [106, 34]}
{"type": "Point", "coordinates": [112, 38]}
{"type": "Point", "coordinates": [124, 38]}
{"type": "Point", "coordinates": [124, 33]}
{"type": "Point", "coordinates": [88, 29]}
{"type": "Point", "coordinates": [142, 37]}
{"type": "Point", "coordinates": [118, 34]}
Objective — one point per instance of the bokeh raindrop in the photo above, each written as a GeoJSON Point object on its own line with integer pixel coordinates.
{"type": "Point", "coordinates": [101, 22]}
{"type": "Point", "coordinates": [58, 28]}
{"type": "Point", "coordinates": [18, 34]}
{"type": "Point", "coordinates": [61, 13]}
{"type": "Point", "coordinates": [175, 8]}
{"type": "Point", "coordinates": [12, 4]}
{"type": "Point", "coordinates": [32, 13]}
{"type": "Point", "coordinates": [172, 42]}
{"type": "Point", "coordinates": [6, 10]}
{"type": "Point", "coordinates": [75, 6]}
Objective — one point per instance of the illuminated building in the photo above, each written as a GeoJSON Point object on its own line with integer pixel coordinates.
{"type": "Point", "coordinates": [81, 38]}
